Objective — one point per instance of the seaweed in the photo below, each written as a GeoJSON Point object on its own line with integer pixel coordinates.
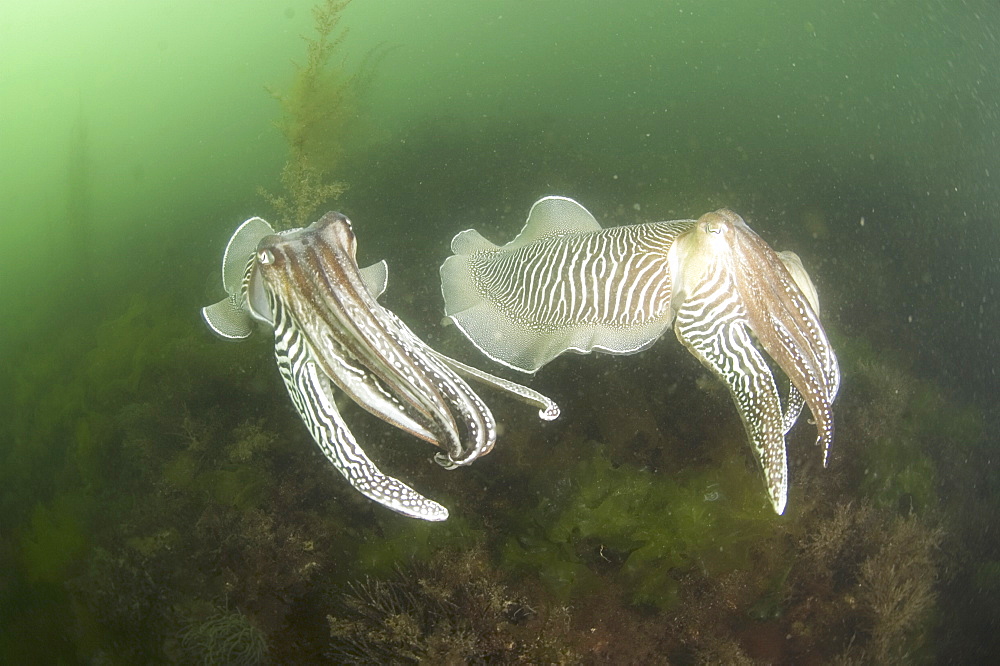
{"type": "Point", "coordinates": [451, 609]}
{"type": "Point", "coordinates": [644, 529]}
{"type": "Point", "coordinates": [866, 573]}
{"type": "Point", "coordinates": [121, 609]}
{"type": "Point", "coordinates": [897, 589]}
{"type": "Point", "coordinates": [57, 537]}
{"type": "Point", "coordinates": [915, 435]}
{"type": "Point", "coordinates": [225, 637]}
{"type": "Point", "coordinates": [320, 110]}
{"type": "Point", "coordinates": [653, 543]}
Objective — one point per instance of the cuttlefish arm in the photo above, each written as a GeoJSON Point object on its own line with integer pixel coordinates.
{"type": "Point", "coordinates": [442, 397]}
{"type": "Point", "coordinates": [731, 283]}
{"type": "Point", "coordinates": [782, 310]}
{"type": "Point", "coordinates": [248, 299]}
{"type": "Point", "coordinates": [712, 324]}
{"type": "Point", "coordinates": [309, 390]}
{"type": "Point", "coordinates": [350, 375]}
{"type": "Point", "coordinates": [464, 400]}
{"type": "Point", "coordinates": [793, 408]}
{"type": "Point", "coordinates": [314, 273]}
{"type": "Point", "coordinates": [478, 432]}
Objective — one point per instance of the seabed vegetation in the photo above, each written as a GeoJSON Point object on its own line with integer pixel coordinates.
{"type": "Point", "coordinates": [163, 503]}
{"type": "Point", "coordinates": [182, 526]}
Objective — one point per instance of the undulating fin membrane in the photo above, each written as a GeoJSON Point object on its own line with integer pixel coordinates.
{"type": "Point", "coordinates": [798, 272]}
{"type": "Point", "coordinates": [228, 320]}
{"type": "Point", "coordinates": [376, 278]}
{"type": "Point", "coordinates": [229, 317]}
{"type": "Point", "coordinates": [242, 245]}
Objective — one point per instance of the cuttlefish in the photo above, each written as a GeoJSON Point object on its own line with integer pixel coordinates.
{"type": "Point", "coordinates": [331, 334]}
{"type": "Point", "coordinates": [566, 284]}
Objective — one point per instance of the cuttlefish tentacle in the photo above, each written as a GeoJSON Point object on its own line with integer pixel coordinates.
{"type": "Point", "coordinates": [350, 374]}
{"type": "Point", "coordinates": [566, 284]}
{"type": "Point", "coordinates": [548, 410]}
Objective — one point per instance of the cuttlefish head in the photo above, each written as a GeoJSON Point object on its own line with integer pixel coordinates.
{"type": "Point", "coordinates": [279, 256]}
{"type": "Point", "coordinates": [699, 252]}
{"type": "Point", "coordinates": [780, 302]}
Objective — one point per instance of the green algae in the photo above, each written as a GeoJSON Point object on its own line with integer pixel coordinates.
{"type": "Point", "coordinates": [56, 538]}
{"type": "Point", "coordinates": [93, 430]}
{"type": "Point", "coordinates": [899, 473]}
{"type": "Point", "coordinates": [238, 487]}
{"type": "Point", "coordinates": [241, 486]}
{"type": "Point", "coordinates": [604, 534]}
{"type": "Point", "coordinates": [912, 430]}
{"type": "Point", "coordinates": [396, 540]}
{"type": "Point", "coordinates": [224, 637]}
{"type": "Point", "coordinates": [646, 527]}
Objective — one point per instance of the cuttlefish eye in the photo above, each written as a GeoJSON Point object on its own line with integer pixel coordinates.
{"type": "Point", "coordinates": [265, 257]}
{"type": "Point", "coordinates": [713, 223]}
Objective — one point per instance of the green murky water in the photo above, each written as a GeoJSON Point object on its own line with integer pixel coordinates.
{"type": "Point", "coordinates": [162, 503]}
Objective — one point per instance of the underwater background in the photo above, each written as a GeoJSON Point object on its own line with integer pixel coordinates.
{"type": "Point", "coordinates": [161, 501]}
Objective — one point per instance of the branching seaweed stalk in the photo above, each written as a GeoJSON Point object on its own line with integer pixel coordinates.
{"type": "Point", "coordinates": [317, 110]}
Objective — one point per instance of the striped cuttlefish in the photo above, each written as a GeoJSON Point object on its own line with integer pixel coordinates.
{"type": "Point", "coordinates": [567, 284]}
{"type": "Point", "coordinates": [331, 335]}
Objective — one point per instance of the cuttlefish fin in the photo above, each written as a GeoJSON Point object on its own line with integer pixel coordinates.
{"type": "Point", "coordinates": [311, 395]}
{"type": "Point", "coordinates": [554, 216]}
{"type": "Point", "coordinates": [829, 361]}
{"type": "Point", "coordinates": [718, 337]}
{"type": "Point", "coordinates": [795, 401]}
{"type": "Point", "coordinates": [376, 278]}
{"type": "Point", "coordinates": [242, 245]}
{"type": "Point", "coordinates": [801, 277]}
{"type": "Point", "coordinates": [469, 285]}
{"type": "Point", "coordinates": [228, 319]}
{"type": "Point", "coordinates": [549, 216]}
